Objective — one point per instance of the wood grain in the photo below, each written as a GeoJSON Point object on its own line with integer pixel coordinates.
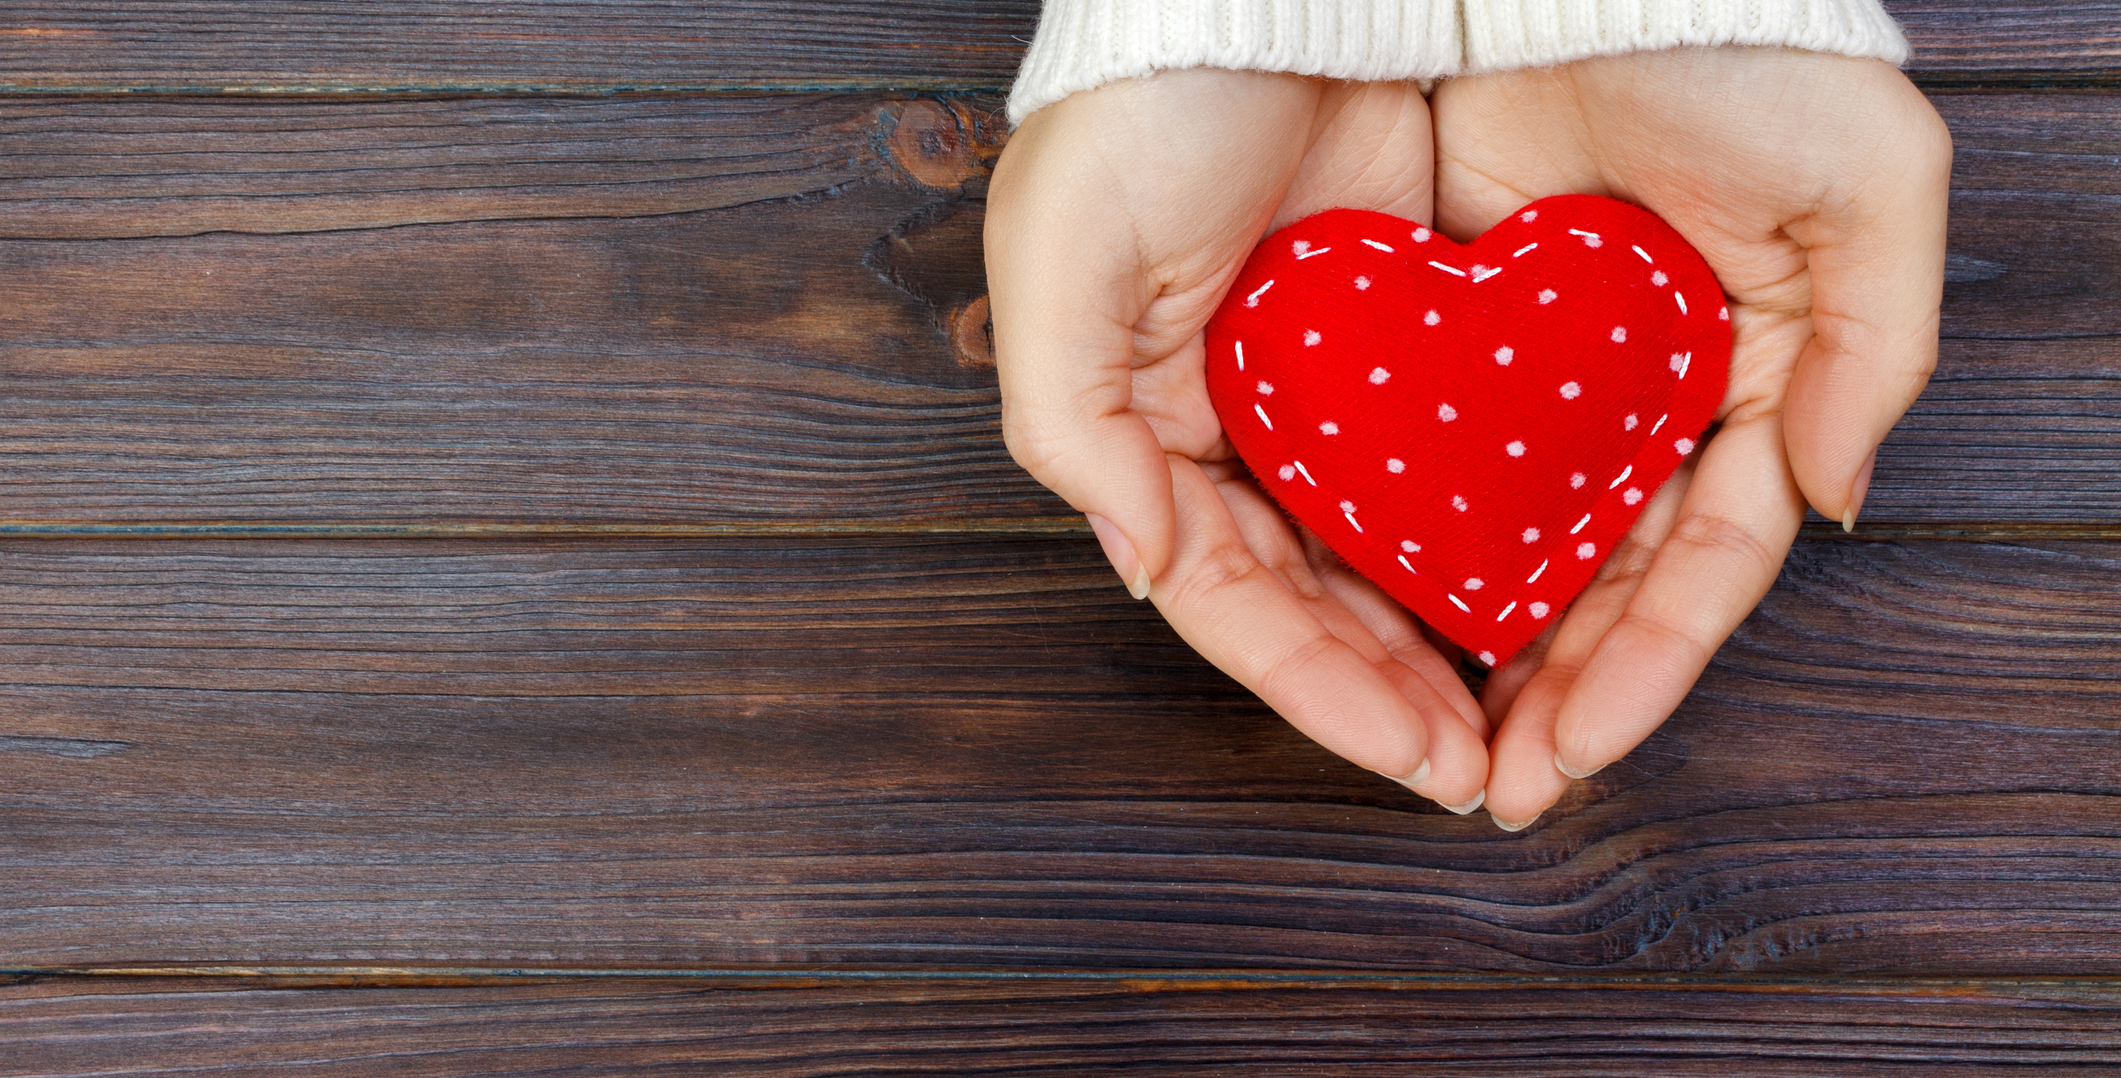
{"type": "Point", "coordinates": [464, 311]}
{"type": "Point", "coordinates": [1038, 1027]}
{"type": "Point", "coordinates": [977, 752]}
{"type": "Point", "coordinates": [332, 46]}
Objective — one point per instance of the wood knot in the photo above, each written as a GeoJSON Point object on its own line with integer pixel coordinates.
{"type": "Point", "coordinates": [972, 334]}
{"type": "Point", "coordinates": [939, 145]}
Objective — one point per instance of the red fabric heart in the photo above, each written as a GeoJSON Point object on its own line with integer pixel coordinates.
{"type": "Point", "coordinates": [1473, 428]}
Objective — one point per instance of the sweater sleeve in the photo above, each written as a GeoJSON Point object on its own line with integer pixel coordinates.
{"type": "Point", "coordinates": [1082, 44]}
{"type": "Point", "coordinates": [1503, 35]}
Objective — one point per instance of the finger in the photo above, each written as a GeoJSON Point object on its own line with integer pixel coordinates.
{"type": "Point", "coordinates": [1738, 520]}
{"type": "Point", "coordinates": [1457, 727]}
{"type": "Point", "coordinates": [1398, 632]}
{"type": "Point", "coordinates": [1393, 645]}
{"type": "Point", "coordinates": [1242, 617]}
{"type": "Point", "coordinates": [1523, 779]}
{"type": "Point", "coordinates": [1877, 277]}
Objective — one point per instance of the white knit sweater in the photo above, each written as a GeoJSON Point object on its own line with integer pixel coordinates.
{"type": "Point", "coordinates": [1086, 43]}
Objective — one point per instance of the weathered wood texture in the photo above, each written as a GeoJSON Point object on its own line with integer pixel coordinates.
{"type": "Point", "coordinates": [738, 309]}
{"type": "Point", "coordinates": [979, 752]}
{"type": "Point", "coordinates": [1567, 1030]}
{"type": "Point", "coordinates": [580, 45]}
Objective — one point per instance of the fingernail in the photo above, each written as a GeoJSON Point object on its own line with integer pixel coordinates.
{"type": "Point", "coordinates": [1573, 773]}
{"type": "Point", "coordinates": [1515, 826]}
{"type": "Point", "coordinates": [1856, 493]}
{"type": "Point", "coordinates": [1466, 809]}
{"type": "Point", "coordinates": [1420, 775]}
{"type": "Point", "coordinates": [1121, 554]}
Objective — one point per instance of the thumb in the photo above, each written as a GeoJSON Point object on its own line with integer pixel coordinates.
{"type": "Point", "coordinates": [1877, 269]}
{"type": "Point", "coordinates": [1140, 193]}
{"type": "Point", "coordinates": [1064, 346]}
{"type": "Point", "coordinates": [1067, 395]}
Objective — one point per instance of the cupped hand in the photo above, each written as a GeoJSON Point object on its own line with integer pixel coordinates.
{"type": "Point", "coordinates": [1815, 186]}
{"type": "Point", "coordinates": [1116, 221]}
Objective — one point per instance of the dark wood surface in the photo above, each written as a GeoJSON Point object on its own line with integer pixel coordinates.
{"type": "Point", "coordinates": [1562, 1029]}
{"type": "Point", "coordinates": [296, 46]}
{"type": "Point", "coordinates": [422, 312]}
{"type": "Point", "coordinates": [978, 752]}
{"type": "Point", "coordinates": [739, 667]}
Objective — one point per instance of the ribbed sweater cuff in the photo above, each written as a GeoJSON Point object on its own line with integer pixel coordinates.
{"type": "Point", "coordinates": [1503, 35]}
{"type": "Point", "coordinates": [1082, 44]}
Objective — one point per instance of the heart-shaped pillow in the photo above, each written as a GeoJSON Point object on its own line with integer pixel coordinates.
{"type": "Point", "coordinates": [1473, 428]}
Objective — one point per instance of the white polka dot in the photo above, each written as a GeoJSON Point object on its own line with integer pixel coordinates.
{"type": "Point", "coordinates": [1431, 318]}
{"type": "Point", "coordinates": [1631, 422]}
{"type": "Point", "coordinates": [1362, 284]}
{"type": "Point", "coordinates": [1488, 657]}
{"type": "Point", "coordinates": [1300, 246]}
{"type": "Point", "coordinates": [1410, 546]}
{"type": "Point", "coordinates": [1347, 507]}
{"type": "Point", "coordinates": [1458, 502]}
{"type": "Point", "coordinates": [1505, 354]}
{"type": "Point", "coordinates": [1577, 481]}
{"type": "Point", "coordinates": [1474, 583]}
{"type": "Point", "coordinates": [1421, 235]}
{"type": "Point", "coordinates": [1593, 241]}
{"type": "Point", "coordinates": [1633, 496]}
{"type": "Point", "coordinates": [1311, 338]}
{"type": "Point", "coordinates": [1288, 472]}
{"type": "Point", "coordinates": [1659, 279]}
{"type": "Point", "coordinates": [1620, 335]}
{"type": "Point", "coordinates": [1539, 610]}
{"type": "Point", "coordinates": [1547, 296]}
{"type": "Point", "coordinates": [1684, 445]}
{"type": "Point", "coordinates": [1724, 314]}
{"type": "Point", "coordinates": [1446, 413]}
{"type": "Point", "coordinates": [1570, 391]}
{"type": "Point", "coordinates": [1585, 550]}
{"type": "Point", "coordinates": [1515, 449]}
{"type": "Point", "coordinates": [1678, 362]}
{"type": "Point", "coordinates": [1329, 427]}
{"type": "Point", "coordinates": [1529, 216]}
{"type": "Point", "coordinates": [1266, 389]}
{"type": "Point", "coordinates": [1379, 376]}
{"type": "Point", "coordinates": [1531, 535]}
{"type": "Point", "coordinates": [1396, 466]}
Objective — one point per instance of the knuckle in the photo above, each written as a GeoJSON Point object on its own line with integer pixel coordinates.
{"type": "Point", "coordinates": [1223, 565]}
{"type": "Point", "coordinates": [1670, 637]}
{"type": "Point", "coordinates": [1039, 443]}
{"type": "Point", "coordinates": [1289, 670]}
{"type": "Point", "coordinates": [1722, 538]}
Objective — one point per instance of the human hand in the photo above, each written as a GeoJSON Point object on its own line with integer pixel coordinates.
{"type": "Point", "coordinates": [1116, 220]}
{"type": "Point", "coordinates": [1815, 186]}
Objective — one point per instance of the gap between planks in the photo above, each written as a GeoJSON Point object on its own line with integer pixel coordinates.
{"type": "Point", "coordinates": [1211, 980]}
{"type": "Point", "coordinates": [1034, 526]}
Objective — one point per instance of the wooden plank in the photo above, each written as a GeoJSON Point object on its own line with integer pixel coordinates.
{"type": "Point", "coordinates": [579, 46]}
{"type": "Point", "coordinates": [978, 752]}
{"type": "Point", "coordinates": [460, 311]}
{"type": "Point", "coordinates": [1350, 1027]}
